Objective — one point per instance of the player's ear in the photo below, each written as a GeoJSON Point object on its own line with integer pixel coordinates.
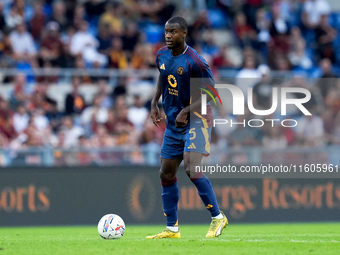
{"type": "Point", "coordinates": [185, 32]}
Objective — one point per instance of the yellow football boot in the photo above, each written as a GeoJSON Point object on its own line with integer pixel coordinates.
{"type": "Point", "coordinates": [216, 226]}
{"type": "Point", "coordinates": [167, 233]}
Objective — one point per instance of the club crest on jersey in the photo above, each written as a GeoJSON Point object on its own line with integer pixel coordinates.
{"type": "Point", "coordinates": [162, 67]}
{"type": "Point", "coordinates": [180, 70]}
{"type": "Point", "coordinates": [172, 81]}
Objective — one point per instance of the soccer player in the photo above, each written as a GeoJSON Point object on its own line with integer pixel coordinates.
{"type": "Point", "coordinates": [177, 63]}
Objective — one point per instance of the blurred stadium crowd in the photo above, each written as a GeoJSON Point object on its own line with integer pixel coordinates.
{"type": "Point", "coordinates": [255, 38]}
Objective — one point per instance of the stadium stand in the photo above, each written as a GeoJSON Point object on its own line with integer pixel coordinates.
{"type": "Point", "coordinates": [108, 48]}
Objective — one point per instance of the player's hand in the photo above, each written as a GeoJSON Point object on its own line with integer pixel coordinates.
{"type": "Point", "coordinates": [182, 119]}
{"type": "Point", "coordinates": [155, 115]}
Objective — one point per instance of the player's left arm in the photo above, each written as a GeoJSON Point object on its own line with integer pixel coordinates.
{"type": "Point", "coordinates": [182, 117]}
{"type": "Point", "coordinates": [206, 74]}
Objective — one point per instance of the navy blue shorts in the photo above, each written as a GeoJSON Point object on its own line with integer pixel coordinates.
{"type": "Point", "coordinates": [196, 138]}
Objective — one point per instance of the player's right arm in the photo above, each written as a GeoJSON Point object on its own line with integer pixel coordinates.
{"type": "Point", "coordinates": [155, 114]}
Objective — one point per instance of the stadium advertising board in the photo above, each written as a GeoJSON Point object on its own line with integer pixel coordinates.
{"type": "Point", "coordinates": [69, 196]}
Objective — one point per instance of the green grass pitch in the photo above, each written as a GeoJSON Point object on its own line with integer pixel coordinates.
{"type": "Point", "coordinates": [316, 238]}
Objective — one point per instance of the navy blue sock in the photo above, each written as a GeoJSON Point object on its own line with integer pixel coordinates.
{"type": "Point", "coordinates": [206, 192]}
{"type": "Point", "coordinates": [170, 196]}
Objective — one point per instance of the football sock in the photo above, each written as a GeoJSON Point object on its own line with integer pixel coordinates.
{"type": "Point", "coordinates": [170, 196]}
{"type": "Point", "coordinates": [206, 192]}
{"type": "Point", "coordinates": [173, 229]}
{"type": "Point", "coordinates": [219, 217]}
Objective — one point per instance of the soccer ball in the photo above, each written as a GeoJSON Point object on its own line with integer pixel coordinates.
{"type": "Point", "coordinates": [111, 226]}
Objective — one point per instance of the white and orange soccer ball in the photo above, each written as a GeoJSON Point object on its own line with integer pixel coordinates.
{"type": "Point", "coordinates": [111, 226]}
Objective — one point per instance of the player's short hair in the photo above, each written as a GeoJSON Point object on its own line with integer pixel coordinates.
{"type": "Point", "coordinates": [180, 21]}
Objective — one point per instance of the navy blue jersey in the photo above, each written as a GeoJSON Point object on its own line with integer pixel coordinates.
{"type": "Point", "coordinates": [175, 77]}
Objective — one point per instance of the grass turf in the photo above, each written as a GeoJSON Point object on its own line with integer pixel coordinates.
{"type": "Point", "coordinates": [317, 238]}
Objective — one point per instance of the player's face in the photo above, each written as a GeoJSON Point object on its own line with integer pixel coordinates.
{"type": "Point", "coordinates": [174, 35]}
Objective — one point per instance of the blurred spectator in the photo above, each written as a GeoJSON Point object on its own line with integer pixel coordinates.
{"type": "Point", "coordinates": [278, 26]}
{"type": "Point", "coordinates": [74, 102]}
{"type": "Point", "coordinates": [156, 11]}
{"type": "Point", "coordinates": [104, 38]}
{"type": "Point", "coordinates": [281, 63]}
{"type": "Point", "coordinates": [39, 98]}
{"type": "Point", "coordinates": [19, 95]}
{"type": "Point", "coordinates": [85, 44]}
{"type": "Point", "coordinates": [295, 37]}
{"type": "Point", "coordinates": [13, 18]}
{"type": "Point", "coordinates": [262, 29]}
{"type": "Point", "coordinates": [244, 32]}
{"type": "Point", "coordinates": [263, 90]}
{"type": "Point", "coordinates": [94, 9]}
{"type": "Point", "coordinates": [39, 119]}
{"type": "Point", "coordinates": [111, 120]}
{"type": "Point", "coordinates": [138, 57]}
{"type": "Point", "coordinates": [6, 121]}
{"type": "Point", "coordinates": [248, 75]}
{"type": "Point", "coordinates": [113, 18]}
{"type": "Point", "coordinates": [70, 133]}
{"type": "Point", "coordinates": [6, 51]}
{"type": "Point", "coordinates": [336, 131]}
{"type": "Point", "coordinates": [101, 138]}
{"type": "Point", "coordinates": [310, 130]}
{"type": "Point", "coordinates": [243, 135]}
{"type": "Point", "coordinates": [78, 16]}
{"type": "Point", "coordinates": [120, 89]}
{"type": "Point", "coordinates": [49, 138]}
{"type": "Point", "coordinates": [274, 140]}
{"type": "Point", "coordinates": [117, 57]}
{"type": "Point", "coordinates": [20, 5]}
{"type": "Point", "coordinates": [298, 56]}
{"type": "Point", "coordinates": [70, 7]}
{"type": "Point", "coordinates": [22, 43]}
{"type": "Point", "coordinates": [67, 60]}
{"type": "Point", "coordinates": [106, 99]}
{"type": "Point", "coordinates": [222, 59]}
{"type": "Point", "coordinates": [325, 35]}
{"type": "Point", "coordinates": [54, 117]}
{"type": "Point", "coordinates": [209, 46]}
{"type": "Point", "coordinates": [312, 12]}
{"type": "Point", "coordinates": [33, 137]}
{"type": "Point", "coordinates": [2, 18]}
{"type": "Point", "coordinates": [59, 15]}
{"type": "Point", "coordinates": [37, 21]}
{"type": "Point", "coordinates": [119, 104]}
{"type": "Point", "coordinates": [93, 115]}
{"type": "Point", "coordinates": [223, 131]}
{"type": "Point", "coordinates": [330, 126]}
{"type": "Point", "coordinates": [279, 31]}
{"type": "Point", "coordinates": [84, 157]}
{"type": "Point", "coordinates": [149, 59]}
{"type": "Point", "coordinates": [328, 80]}
{"type": "Point", "coordinates": [79, 64]}
{"type": "Point", "coordinates": [201, 22]}
{"type": "Point", "coordinates": [289, 135]}
{"type": "Point", "coordinates": [332, 101]}
{"type": "Point", "coordinates": [130, 37]}
{"type": "Point", "coordinates": [165, 11]}
{"type": "Point", "coordinates": [250, 7]}
{"type": "Point", "coordinates": [137, 113]}
{"type": "Point", "coordinates": [20, 119]}
{"type": "Point", "coordinates": [51, 45]}
{"type": "Point", "coordinates": [125, 132]}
